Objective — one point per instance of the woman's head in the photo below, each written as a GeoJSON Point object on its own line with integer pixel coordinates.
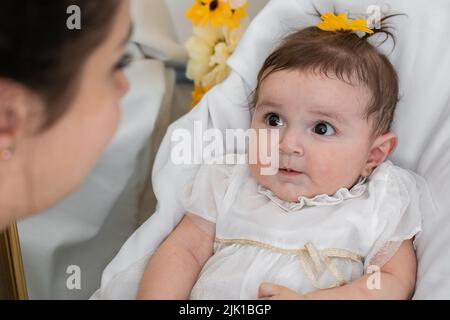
{"type": "Point", "coordinates": [39, 51]}
{"type": "Point", "coordinates": [333, 97]}
{"type": "Point", "coordinates": [59, 95]}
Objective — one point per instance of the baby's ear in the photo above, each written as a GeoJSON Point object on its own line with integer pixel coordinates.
{"type": "Point", "coordinates": [381, 148]}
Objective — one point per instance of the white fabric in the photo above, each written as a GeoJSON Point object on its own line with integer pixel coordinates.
{"type": "Point", "coordinates": [422, 123]}
{"type": "Point", "coordinates": [88, 228]}
{"type": "Point", "coordinates": [155, 31]}
{"type": "Point", "coordinates": [365, 218]}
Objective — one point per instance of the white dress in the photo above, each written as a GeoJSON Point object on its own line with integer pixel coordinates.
{"type": "Point", "coordinates": [311, 244]}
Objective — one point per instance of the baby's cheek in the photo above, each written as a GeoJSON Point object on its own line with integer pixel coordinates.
{"type": "Point", "coordinates": [326, 176]}
{"type": "Point", "coordinates": [264, 180]}
{"type": "Point", "coordinates": [254, 170]}
{"type": "Point", "coordinates": [338, 169]}
{"type": "Point", "coordinates": [329, 167]}
{"type": "Point", "coordinates": [323, 160]}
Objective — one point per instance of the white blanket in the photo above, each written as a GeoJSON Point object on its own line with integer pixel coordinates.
{"type": "Point", "coordinates": [422, 123]}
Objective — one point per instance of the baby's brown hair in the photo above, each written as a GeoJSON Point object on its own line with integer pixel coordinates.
{"type": "Point", "coordinates": [346, 56]}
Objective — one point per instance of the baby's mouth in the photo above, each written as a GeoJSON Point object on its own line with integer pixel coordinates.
{"type": "Point", "coordinates": [288, 172]}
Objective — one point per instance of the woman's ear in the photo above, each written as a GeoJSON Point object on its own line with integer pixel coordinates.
{"type": "Point", "coordinates": [13, 114]}
{"type": "Point", "coordinates": [381, 148]}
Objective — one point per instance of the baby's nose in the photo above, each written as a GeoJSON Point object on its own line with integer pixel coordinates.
{"type": "Point", "coordinates": [291, 143]}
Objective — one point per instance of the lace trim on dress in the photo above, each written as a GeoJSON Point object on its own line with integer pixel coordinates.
{"type": "Point", "coordinates": [320, 200]}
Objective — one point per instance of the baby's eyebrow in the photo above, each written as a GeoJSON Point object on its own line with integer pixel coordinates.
{"type": "Point", "coordinates": [270, 103]}
{"type": "Point", "coordinates": [329, 114]}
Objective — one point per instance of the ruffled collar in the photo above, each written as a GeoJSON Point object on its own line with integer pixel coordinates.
{"type": "Point", "coordinates": [320, 200]}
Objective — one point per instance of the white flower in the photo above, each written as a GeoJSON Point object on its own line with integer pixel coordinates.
{"type": "Point", "coordinates": [200, 48]}
{"type": "Point", "coordinates": [222, 52]}
{"type": "Point", "coordinates": [235, 4]}
{"type": "Point", "coordinates": [209, 50]}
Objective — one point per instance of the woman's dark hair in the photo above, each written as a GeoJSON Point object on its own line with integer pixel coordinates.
{"type": "Point", "coordinates": [39, 51]}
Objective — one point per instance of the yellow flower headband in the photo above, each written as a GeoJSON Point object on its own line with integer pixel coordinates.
{"type": "Point", "coordinates": [332, 22]}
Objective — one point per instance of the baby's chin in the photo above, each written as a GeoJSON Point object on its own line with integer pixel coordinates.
{"type": "Point", "coordinates": [286, 191]}
{"type": "Point", "coordinates": [290, 192]}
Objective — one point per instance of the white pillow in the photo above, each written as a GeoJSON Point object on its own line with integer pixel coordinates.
{"type": "Point", "coordinates": [422, 123]}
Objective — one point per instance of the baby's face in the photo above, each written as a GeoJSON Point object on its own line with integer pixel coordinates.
{"type": "Point", "coordinates": [325, 139]}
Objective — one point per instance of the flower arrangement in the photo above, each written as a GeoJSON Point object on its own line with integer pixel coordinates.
{"type": "Point", "coordinates": [218, 27]}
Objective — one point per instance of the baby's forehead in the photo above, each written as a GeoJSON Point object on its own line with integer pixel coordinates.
{"type": "Point", "coordinates": [312, 92]}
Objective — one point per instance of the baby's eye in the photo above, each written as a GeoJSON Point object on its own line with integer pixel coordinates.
{"type": "Point", "coordinates": [324, 129]}
{"type": "Point", "coordinates": [274, 120]}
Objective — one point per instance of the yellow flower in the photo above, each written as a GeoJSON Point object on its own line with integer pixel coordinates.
{"type": "Point", "coordinates": [216, 12]}
{"type": "Point", "coordinates": [198, 94]}
{"type": "Point", "coordinates": [360, 25]}
{"type": "Point", "coordinates": [237, 15]}
{"type": "Point", "coordinates": [331, 22]}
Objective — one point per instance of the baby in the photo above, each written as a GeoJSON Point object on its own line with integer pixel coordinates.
{"type": "Point", "coordinates": [337, 220]}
